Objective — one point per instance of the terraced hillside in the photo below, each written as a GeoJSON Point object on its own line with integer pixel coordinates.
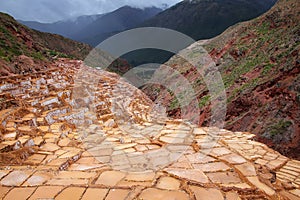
{"type": "Point", "coordinates": [60, 139]}
{"type": "Point", "coordinates": [25, 50]}
{"type": "Point", "coordinates": [259, 63]}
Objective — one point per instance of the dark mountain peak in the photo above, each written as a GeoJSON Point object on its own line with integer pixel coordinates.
{"type": "Point", "coordinates": [131, 9]}
{"type": "Point", "coordinates": [202, 19]}
{"type": "Point", "coordinates": [125, 8]}
{"type": "Point", "coordinates": [124, 18]}
{"type": "Point", "coordinates": [93, 29]}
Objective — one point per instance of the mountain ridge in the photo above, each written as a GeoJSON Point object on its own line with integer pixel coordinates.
{"type": "Point", "coordinates": [208, 18]}
{"type": "Point", "coordinates": [63, 27]}
{"type": "Point", "coordinates": [198, 20]}
{"type": "Point", "coordinates": [96, 28]}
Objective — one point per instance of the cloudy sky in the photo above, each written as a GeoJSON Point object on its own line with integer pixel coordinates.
{"type": "Point", "coordinates": [55, 10]}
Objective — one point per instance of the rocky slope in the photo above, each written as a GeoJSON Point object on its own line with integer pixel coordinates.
{"type": "Point", "coordinates": [259, 63]}
{"type": "Point", "coordinates": [25, 50]}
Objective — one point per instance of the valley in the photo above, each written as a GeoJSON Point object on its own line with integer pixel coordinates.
{"type": "Point", "coordinates": [72, 131]}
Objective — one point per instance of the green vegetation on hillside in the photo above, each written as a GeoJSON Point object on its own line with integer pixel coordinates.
{"type": "Point", "coordinates": [16, 40]}
{"type": "Point", "coordinates": [259, 61]}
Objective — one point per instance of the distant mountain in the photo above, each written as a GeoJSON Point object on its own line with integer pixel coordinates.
{"type": "Point", "coordinates": [199, 19]}
{"type": "Point", "coordinates": [94, 29]}
{"type": "Point", "coordinates": [203, 19]}
{"type": "Point", "coordinates": [119, 20]}
{"type": "Point", "coordinates": [65, 28]}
